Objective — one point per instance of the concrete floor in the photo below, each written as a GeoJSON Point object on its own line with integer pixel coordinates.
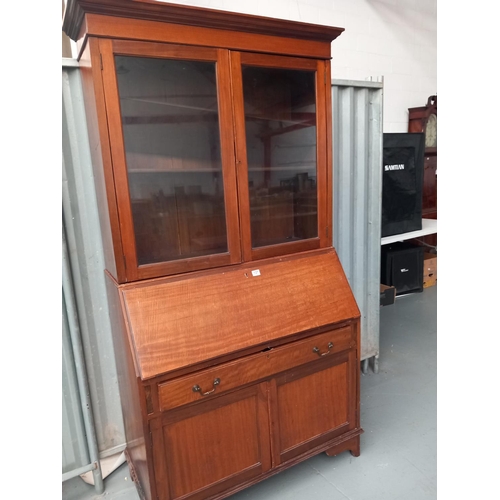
{"type": "Point", "coordinates": [398, 415]}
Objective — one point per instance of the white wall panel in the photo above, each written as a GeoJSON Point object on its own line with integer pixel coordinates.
{"type": "Point", "coordinates": [393, 39]}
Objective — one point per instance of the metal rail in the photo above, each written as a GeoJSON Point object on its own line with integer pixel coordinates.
{"type": "Point", "coordinates": [81, 373]}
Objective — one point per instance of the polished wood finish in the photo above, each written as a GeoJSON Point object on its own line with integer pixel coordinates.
{"type": "Point", "coordinates": [419, 116]}
{"type": "Point", "coordinates": [141, 255]}
{"type": "Point", "coordinates": [241, 153]}
{"type": "Point", "coordinates": [429, 192]}
{"type": "Point", "coordinates": [76, 10]}
{"type": "Point", "coordinates": [323, 88]}
{"type": "Point", "coordinates": [352, 444]}
{"type": "Point", "coordinates": [285, 298]}
{"type": "Point", "coordinates": [228, 156]}
{"type": "Point", "coordinates": [255, 367]}
{"type": "Point", "coordinates": [283, 205]}
{"type": "Point", "coordinates": [134, 271]}
{"type": "Point", "coordinates": [99, 26]}
{"type": "Point", "coordinates": [314, 404]}
{"type": "Point", "coordinates": [235, 360]}
{"type": "Point", "coordinates": [276, 403]}
{"type": "Point", "coordinates": [329, 158]}
{"type": "Point", "coordinates": [418, 119]}
{"type": "Point", "coordinates": [236, 423]}
{"type": "Point", "coordinates": [417, 122]}
{"type": "Point", "coordinates": [101, 158]}
{"type": "Point", "coordinates": [132, 396]}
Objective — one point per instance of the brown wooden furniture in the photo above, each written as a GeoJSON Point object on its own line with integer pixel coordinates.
{"type": "Point", "coordinates": [236, 332]}
{"type": "Point", "coordinates": [424, 119]}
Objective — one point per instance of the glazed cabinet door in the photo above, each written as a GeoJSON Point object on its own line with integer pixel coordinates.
{"type": "Point", "coordinates": [313, 404]}
{"type": "Point", "coordinates": [172, 146]}
{"type": "Point", "coordinates": [205, 448]}
{"type": "Point", "coordinates": [282, 153]}
{"type": "Point", "coordinates": [217, 156]}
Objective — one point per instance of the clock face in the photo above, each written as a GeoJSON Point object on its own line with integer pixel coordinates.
{"type": "Point", "coordinates": [431, 132]}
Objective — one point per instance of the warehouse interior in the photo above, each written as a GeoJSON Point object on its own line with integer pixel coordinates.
{"type": "Point", "coordinates": [383, 85]}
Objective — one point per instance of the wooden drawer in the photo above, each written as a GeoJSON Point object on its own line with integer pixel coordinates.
{"type": "Point", "coordinates": [213, 381]}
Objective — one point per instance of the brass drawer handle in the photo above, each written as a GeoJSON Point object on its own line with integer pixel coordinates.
{"type": "Point", "coordinates": [316, 350]}
{"type": "Point", "coordinates": [197, 388]}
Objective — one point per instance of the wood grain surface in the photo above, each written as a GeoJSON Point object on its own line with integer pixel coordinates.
{"type": "Point", "coordinates": [194, 16]}
{"type": "Point", "coordinates": [177, 323]}
{"type": "Point", "coordinates": [251, 368]}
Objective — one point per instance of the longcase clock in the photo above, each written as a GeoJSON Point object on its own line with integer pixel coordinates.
{"type": "Point", "coordinates": [424, 119]}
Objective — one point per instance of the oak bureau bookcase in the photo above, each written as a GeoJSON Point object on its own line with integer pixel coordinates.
{"type": "Point", "coordinates": [236, 332]}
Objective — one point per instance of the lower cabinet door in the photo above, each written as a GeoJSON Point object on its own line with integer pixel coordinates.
{"type": "Point", "coordinates": [313, 404]}
{"type": "Point", "coordinates": [205, 448]}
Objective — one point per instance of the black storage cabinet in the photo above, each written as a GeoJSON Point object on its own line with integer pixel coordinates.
{"type": "Point", "coordinates": [402, 182]}
{"type": "Point", "coordinates": [402, 266]}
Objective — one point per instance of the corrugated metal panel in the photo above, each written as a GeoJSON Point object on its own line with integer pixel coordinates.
{"type": "Point", "coordinates": [81, 435]}
{"type": "Point", "coordinates": [74, 444]}
{"type": "Point", "coordinates": [85, 252]}
{"type": "Point", "coordinates": [357, 197]}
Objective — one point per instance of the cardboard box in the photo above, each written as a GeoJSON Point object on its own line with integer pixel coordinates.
{"type": "Point", "coordinates": [387, 295]}
{"type": "Point", "coordinates": [430, 269]}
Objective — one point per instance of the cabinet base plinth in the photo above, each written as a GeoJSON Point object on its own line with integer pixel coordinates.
{"type": "Point", "coordinates": [351, 444]}
{"type": "Point", "coordinates": [134, 477]}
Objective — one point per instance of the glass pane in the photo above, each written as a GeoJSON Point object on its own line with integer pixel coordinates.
{"type": "Point", "coordinates": [172, 144]}
{"type": "Point", "coordinates": [280, 120]}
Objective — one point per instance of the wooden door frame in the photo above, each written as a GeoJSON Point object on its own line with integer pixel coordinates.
{"type": "Point", "coordinates": [323, 156]}
{"type": "Point", "coordinates": [220, 57]}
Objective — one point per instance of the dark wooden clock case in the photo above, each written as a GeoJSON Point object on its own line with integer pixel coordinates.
{"type": "Point", "coordinates": [417, 122]}
{"type": "Point", "coordinates": [234, 367]}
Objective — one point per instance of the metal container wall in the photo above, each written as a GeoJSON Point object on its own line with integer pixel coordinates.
{"type": "Point", "coordinates": [74, 443]}
{"type": "Point", "coordinates": [85, 255]}
{"type": "Point", "coordinates": [357, 198]}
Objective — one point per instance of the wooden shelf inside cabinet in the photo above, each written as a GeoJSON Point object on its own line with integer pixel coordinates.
{"type": "Point", "coordinates": [162, 164]}
{"type": "Point", "coordinates": [285, 168]}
